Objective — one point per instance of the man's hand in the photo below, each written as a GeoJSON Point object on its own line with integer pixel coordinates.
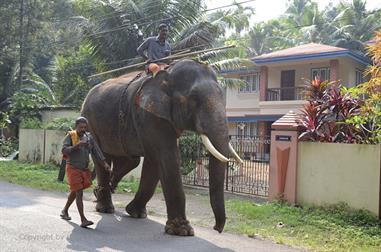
{"type": "Point", "coordinates": [81, 144]}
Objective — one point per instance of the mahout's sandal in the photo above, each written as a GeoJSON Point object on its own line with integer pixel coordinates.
{"type": "Point", "coordinates": [86, 223]}
{"type": "Point", "coordinates": [64, 215]}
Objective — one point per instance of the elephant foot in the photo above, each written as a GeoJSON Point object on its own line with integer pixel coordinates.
{"type": "Point", "coordinates": [136, 212]}
{"type": "Point", "coordinates": [179, 226]}
{"type": "Point", "coordinates": [104, 202]}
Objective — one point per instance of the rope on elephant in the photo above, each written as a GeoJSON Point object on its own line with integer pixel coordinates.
{"type": "Point", "coordinates": [122, 112]}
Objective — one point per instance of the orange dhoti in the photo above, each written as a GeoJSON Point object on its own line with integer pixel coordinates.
{"type": "Point", "coordinates": [78, 179]}
{"type": "Point", "coordinates": [155, 68]}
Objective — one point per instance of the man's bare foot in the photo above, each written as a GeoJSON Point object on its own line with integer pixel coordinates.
{"type": "Point", "coordinates": [86, 223]}
{"type": "Point", "coordinates": [64, 215]}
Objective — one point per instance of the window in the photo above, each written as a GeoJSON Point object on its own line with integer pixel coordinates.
{"type": "Point", "coordinates": [322, 73]}
{"type": "Point", "coordinates": [252, 83]}
{"type": "Point", "coordinates": [246, 129]}
{"type": "Point", "coordinates": [359, 77]}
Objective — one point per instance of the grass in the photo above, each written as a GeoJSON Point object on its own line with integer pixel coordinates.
{"type": "Point", "coordinates": [44, 177]}
{"type": "Point", "coordinates": [331, 228]}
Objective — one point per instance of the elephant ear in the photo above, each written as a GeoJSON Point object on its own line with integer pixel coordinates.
{"type": "Point", "coordinates": [153, 96]}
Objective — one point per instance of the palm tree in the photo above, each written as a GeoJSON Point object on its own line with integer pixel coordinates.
{"type": "Point", "coordinates": [268, 36]}
{"type": "Point", "coordinates": [236, 18]}
{"type": "Point", "coordinates": [299, 12]}
{"type": "Point", "coordinates": [355, 25]}
{"type": "Point", "coordinates": [116, 28]}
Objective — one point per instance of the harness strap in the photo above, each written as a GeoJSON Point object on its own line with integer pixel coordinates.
{"type": "Point", "coordinates": [122, 113]}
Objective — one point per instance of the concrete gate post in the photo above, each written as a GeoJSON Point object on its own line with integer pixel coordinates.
{"type": "Point", "coordinates": [283, 158]}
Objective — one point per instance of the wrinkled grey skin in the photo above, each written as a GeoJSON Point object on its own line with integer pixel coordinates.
{"type": "Point", "coordinates": [187, 97]}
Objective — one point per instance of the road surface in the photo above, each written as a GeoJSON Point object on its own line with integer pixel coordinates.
{"type": "Point", "coordinates": [29, 221]}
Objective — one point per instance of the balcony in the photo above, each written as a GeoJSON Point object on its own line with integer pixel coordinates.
{"type": "Point", "coordinates": [285, 94]}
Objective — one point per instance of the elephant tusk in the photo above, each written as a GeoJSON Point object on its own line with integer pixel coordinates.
{"type": "Point", "coordinates": [209, 146]}
{"type": "Point", "coordinates": [239, 160]}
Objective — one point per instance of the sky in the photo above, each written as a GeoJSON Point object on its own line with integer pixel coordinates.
{"type": "Point", "coordinates": [268, 9]}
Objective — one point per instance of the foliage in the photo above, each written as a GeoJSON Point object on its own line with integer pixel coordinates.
{"type": "Point", "coordinates": [199, 35]}
{"type": "Point", "coordinates": [189, 146]}
{"type": "Point", "coordinates": [4, 120]}
{"type": "Point", "coordinates": [324, 116]}
{"type": "Point", "coordinates": [329, 228]}
{"type": "Point", "coordinates": [116, 28]}
{"type": "Point", "coordinates": [347, 24]}
{"type": "Point", "coordinates": [64, 124]}
{"type": "Point", "coordinates": [31, 123]}
{"type": "Point", "coordinates": [26, 106]}
{"type": "Point", "coordinates": [8, 146]}
{"type": "Point", "coordinates": [129, 186]}
{"type": "Point", "coordinates": [269, 36]}
{"type": "Point", "coordinates": [72, 71]}
{"type": "Point", "coordinates": [27, 47]}
{"type": "Point", "coordinates": [368, 122]}
{"type": "Point", "coordinates": [237, 18]}
{"type": "Point", "coordinates": [355, 25]}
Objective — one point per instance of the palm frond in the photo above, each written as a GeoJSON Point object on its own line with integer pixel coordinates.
{"type": "Point", "coordinates": [232, 64]}
{"type": "Point", "coordinates": [217, 55]}
{"type": "Point", "coordinates": [203, 33]}
{"type": "Point", "coordinates": [35, 84]}
{"type": "Point", "coordinates": [233, 83]}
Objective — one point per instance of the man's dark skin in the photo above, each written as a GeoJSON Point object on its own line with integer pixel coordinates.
{"type": "Point", "coordinates": [78, 195]}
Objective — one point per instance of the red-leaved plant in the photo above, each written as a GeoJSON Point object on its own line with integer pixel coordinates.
{"type": "Point", "coordinates": [324, 116]}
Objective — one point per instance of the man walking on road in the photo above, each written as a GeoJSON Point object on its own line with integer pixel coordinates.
{"type": "Point", "coordinates": [77, 146]}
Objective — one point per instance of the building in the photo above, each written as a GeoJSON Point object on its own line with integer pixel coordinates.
{"type": "Point", "coordinates": [275, 85]}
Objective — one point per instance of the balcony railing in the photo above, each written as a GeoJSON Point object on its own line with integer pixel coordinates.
{"type": "Point", "coordinates": [285, 94]}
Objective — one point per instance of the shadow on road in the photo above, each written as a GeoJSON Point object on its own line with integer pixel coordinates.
{"type": "Point", "coordinates": [120, 232]}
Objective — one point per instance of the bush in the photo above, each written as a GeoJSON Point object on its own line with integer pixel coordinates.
{"type": "Point", "coordinates": [4, 120]}
{"type": "Point", "coordinates": [324, 118]}
{"type": "Point", "coordinates": [31, 123]}
{"type": "Point", "coordinates": [8, 146]}
{"type": "Point", "coordinates": [368, 122]}
{"type": "Point", "coordinates": [25, 106]}
{"type": "Point", "coordinates": [190, 150]}
{"type": "Point", "coordinates": [72, 71]}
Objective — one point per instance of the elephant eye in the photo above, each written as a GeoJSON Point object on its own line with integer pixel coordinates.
{"type": "Point", "coordinates": [195, 99]}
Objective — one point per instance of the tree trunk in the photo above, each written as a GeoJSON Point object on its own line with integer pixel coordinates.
{"type": "Point", "coordinates": [21, 43]}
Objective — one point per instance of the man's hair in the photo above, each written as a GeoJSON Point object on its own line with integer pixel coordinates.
{"type": "Point", "coordinates": [80, 119]}
{"type": "Point", "coordinates": [161, 26]}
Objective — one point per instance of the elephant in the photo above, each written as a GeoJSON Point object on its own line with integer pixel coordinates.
{"type": "Point", "coordinates": [143, 117]}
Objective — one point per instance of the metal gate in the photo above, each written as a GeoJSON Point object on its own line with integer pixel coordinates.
{"type": "Point", "coordinates": [251, 177]}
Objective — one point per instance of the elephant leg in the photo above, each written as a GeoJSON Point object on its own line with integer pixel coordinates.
{"type": "Point", "coordinates": [122, 166]}
{"type": "Point", "coordinates": [103, 192]}
{"type": "Point", "coordinates": [148, 182]}
{"type": "Point", "coordinates": [170, 179]}
{"type": "Point", "coordinates": [160, 145]}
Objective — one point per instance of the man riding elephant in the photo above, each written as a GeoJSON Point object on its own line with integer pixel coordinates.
{"type": "Point", "coordinates": [154, 49]}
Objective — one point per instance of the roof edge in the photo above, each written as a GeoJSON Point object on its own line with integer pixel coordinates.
{"type": "Point", "coordinates": [342, 53]}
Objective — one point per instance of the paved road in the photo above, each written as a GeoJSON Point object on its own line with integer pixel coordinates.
{"type": "Point", "coordinates": [29, 221]}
